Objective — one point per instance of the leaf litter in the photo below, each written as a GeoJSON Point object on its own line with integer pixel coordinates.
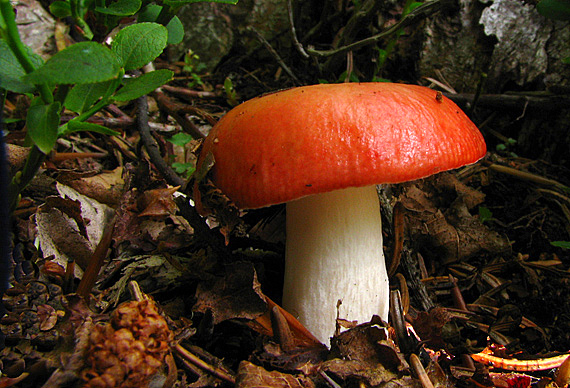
{"type": "Point", "coordinates": [217, 301]}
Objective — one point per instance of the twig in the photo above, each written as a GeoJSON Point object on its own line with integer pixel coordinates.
{"type": "Point", "coordinates": [152, 147]}
{"type": "Point", "coordinates": [460, 304]}
{"type": "Point", "coordinates": [405, 341]}
{"type": "Point", "coordinates": [402, 286]}
{"type": "Point", "coordinates": [174, 110]}
{"type": "Point", "coordinates": [296, 42]}
{"type": "Point", "coordinates": [520, 365]}
{"type": "Point", "coordinates": [329, 381]}
{"type": "Point", "coordinates": [136, 292]}
{"type": "Point", "coordinates": [187, 211]}
{"type": "Point", "coordinates": [188, 356]}
{"type": "Point", "coordinates": [527, 176]}
{"type": "Point", "coordinates": [189, 93]}
{"type": "Point", "coordinates": [417, 14]}
{"type": "Point", "coordinates": [5, 245]}
{"type": "Point", "coordinates": [97, 259]}
{"type": "Point", "coordinates": [275, 55]}
{"type": "Point", "coordinates": [545, 102]}
{"type": "Point", "coordinates": [420, 371]}
{"type": "Point", "coordinates": [398, 230]}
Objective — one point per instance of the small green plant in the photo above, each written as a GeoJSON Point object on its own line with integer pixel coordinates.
{"type": "Point", "coordinates": [86, 76]}
{"type": "Point", "coordinates": [384, 53]}
{"type": "Point", "coordinates": [507, 146]}
{"type": "Point", "coordinates": [485, 214]}
{"type": "Point", "coordinates": [186, 169]}
{"type": "Point", "coordinates": [561, 244]}
{"type": "Point", "coordinates": [231, 95]}
{"type": "Point", "coordinates": [193, 66]}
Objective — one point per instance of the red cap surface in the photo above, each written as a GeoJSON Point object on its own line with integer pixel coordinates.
{"type": "Point", "coordinates": [314, 139]}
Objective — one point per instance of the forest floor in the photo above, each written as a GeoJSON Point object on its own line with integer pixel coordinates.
{"type": "Point", "coordinates": [487, 246]}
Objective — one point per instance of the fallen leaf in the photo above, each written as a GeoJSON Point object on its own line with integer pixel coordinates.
{"type": "Point", "coordinates": [157, 202]}
{"type": "Point", "coordinates": [48, 317]}
{"type": "Point", "coordinates": [253, 376]}
{"type": "Point", "coordinates": [106, 187]}
{"type": "Point", "coordinates": [236, 295]}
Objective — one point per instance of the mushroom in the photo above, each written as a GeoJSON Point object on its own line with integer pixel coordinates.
{"type": "Point", "coordinates": [323, 149]}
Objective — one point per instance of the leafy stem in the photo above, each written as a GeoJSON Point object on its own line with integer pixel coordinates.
{"type": "Point", "coordinates": [12, 38]}
{"type": "Point", "coordinates": [77, 12]}
{"type": "Point", "coordinates": [34, 161]}
{"type": "Point", "coordinates": [166, 14]}
{"type": "Point", "coordinates": [102, 103]}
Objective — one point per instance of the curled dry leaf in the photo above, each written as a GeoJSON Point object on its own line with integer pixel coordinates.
{"type": "Point", "coordinates": [428, 326]}
{"type": "Point", "coordinates": [253, 376]}
{"type": "Point", "coordinates": [70, 226]}
{"type": "Point", "coordinates": [365, 354]}
{"type": "Point", "coordinates": [448, 226]}
{"type": "Point", "coordinates": [237, 295]}
{"type": "Point", "coordinates": [48, 317]}
{"type": "Point", "coordinates": [105, 187]}
{"type": "Point", "coordinates": [157, 202]}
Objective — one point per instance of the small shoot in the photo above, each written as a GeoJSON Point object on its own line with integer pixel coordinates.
{"type": "Point", "coordinates": [193, 66]}
{"type": "Point", "coordinates": [186, 169]}
{"type": "Point", "coordinates": [231, 94]}
{"type": "Point", "coordinates": [485, 215]}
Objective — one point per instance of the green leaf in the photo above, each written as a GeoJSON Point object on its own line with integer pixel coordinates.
{"type": "Point", "coordinates": [144, 84]}
{"type": "Point", "coordinates": [180, 139]}
{"type": "Point", "coordinates": [60, 9]}
{"type": "Point", "coordinates": [81, 63]}
{"type": "Point", "coordinates": [175, 28]}
{"type": "Point", "coordinates": [411, 7]}
{"type": "Point", "coordinates": [561, 244]}
{"type": "Point", "coordinates": [42, 122]}
{"type": "Point", "coordinates": [76, 126]}
{"type": "Point", "coordinates": [11, 72]}
{"type": "Point", "coordinates": [139, 44]}
{"type": "Point", "coordinates": [83, 96]}
{"type": "Point", "coordinates": [177, 3]}
{"type": "Point", "coordinates": [554, 9]}
{"type": "Point", "coordinates": [485, 214]}
{"type": "Point", "coordinates": [184, 168]}
{"type": "Point", "coordinates": [121, 8]}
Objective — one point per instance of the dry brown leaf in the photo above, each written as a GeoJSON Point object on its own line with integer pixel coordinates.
{"type": "Point", "coordinates": [438, 216]}
{"type": "Point", "coordinates": [106, 187]}
{"type": "Point", "coordinates": [60, 237]}
{"type": "Point", "coordinates": [236, 295]}
{"type": "Point", "coordinates": [428, 326]}
{"type": "Point", "coordinates": [157, 202]}
{"type": "Point", "coordinates": [364, 354]}
{"type": "Point", "coordinates": [253, 376]}
{"type": "Point", "coordinates": [48, 317]}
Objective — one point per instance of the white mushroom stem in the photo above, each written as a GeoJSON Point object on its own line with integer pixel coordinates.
{"type": "Point", "coordinates": [334, 252]}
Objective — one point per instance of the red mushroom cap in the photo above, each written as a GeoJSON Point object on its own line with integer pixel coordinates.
{"type": "Point", "coordinates": [308, 140]}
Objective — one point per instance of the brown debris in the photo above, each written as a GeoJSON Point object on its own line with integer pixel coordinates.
{"type": "Point", "coordinates": [237, 295]}
{"type": "Point", "coordinates": [454, 233]}
{"type": "Point", "coordinates": [253, 376]}
{"type": "Point", "coordinates": [130, 350]}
